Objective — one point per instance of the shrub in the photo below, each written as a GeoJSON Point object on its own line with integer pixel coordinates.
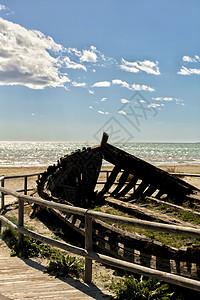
{"type": "Point", "coordinates": [64, 266]}
{"type": "Point", "coordinates": [131, 288]}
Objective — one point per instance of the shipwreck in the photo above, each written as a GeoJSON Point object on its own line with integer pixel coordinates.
{"type": "Point", "coordinates": [74, 181]}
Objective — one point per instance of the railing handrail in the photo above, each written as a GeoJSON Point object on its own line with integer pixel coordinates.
{"type": "Point", "coordinates": [87, 252]}
{"type": "Point", "coordinates": [104, 259]}
{"type": "Point", "coordinates": [175, 229]}
{"type": "Point", "coordinates": [101, 171]}
{"type": "Point", "coordinates": [20, 176]}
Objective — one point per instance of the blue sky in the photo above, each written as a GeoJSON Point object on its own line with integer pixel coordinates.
{"type": "Point", "coordinates": [70, 70]}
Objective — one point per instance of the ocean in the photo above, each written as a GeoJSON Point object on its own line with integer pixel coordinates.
{"type": "Point", "coordinates": [24, 154]}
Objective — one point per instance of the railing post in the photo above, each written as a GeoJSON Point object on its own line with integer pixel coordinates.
{"type": "Point", "coordinates": [25, 185]}
{"type": "Point", "coordinates": [0, 228]}
{"type": "Point", "coordinates": [2, 193]}
{"type": "Point", "coordinates": [20, 218]}
{"type": "Point", "coordinates": [88, 246]}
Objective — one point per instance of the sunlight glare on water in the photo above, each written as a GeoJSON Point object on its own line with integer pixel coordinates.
{"type": "Point", "coordinates": [21, 153]}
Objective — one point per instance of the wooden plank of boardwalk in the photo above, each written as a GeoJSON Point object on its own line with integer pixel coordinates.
{"type": "Point", "coordinates": [24, 279]}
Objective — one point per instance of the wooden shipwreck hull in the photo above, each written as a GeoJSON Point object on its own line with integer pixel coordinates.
{"type": "Point", "coordinates": [74, 179]}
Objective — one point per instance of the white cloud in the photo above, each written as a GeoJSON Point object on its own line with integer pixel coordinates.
{"type": "Point", "coordinates": [129, 69]}
{"type": "Point", "coordinates": [2, 7]}
{"type": "Point", "coordinates": [103, 99]}
{"type": "Point", "coordinates": [186, 71]}
{"type": "Point", "coordinates": [179, 101]}
{"type": "Point", "coordinates": [74, 51]}
{"type": "Point", "coordinates": [72, 65]}
{"type": "Point", "coordinates": [91, 92]}
{"type": "Point", "coordinates": [120, 82]}
{"type": "Point", "coordinates": [125, 101]}
{"type": "Point", "coordinates": [121, 112]}
{"type": "Point", "coordinates": [190, 71]}
{"type": "Point", "coordinates": [102, 84]}
{"type": "Point", "coordinates": [137, 66]}
{"type": "Point", "coordinates": [190, 59]}
{"type": "Point", "coordinates": [168, 99]}
{"type": "Point", "coordinates": [78, 84]}
{"type": "Point", "coordinates": [153, 105]}
{"type": "Point", "coordinates": [103, 113]}
{"type": "Point", "coordinates": [143, 87]}
{"type": "Point", "coordinates": [134, 86]}
{"type": "Point", "coordinates": [163, 99]}
{"type": "Point", "coordinates": [88, 56]}
{"type": "Point", "coordinates": [25, 58]}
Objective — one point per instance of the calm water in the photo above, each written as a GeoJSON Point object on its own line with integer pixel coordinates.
{"type": "Point", "coordinates": [21, 153]}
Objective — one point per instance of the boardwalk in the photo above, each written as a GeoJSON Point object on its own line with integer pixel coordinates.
{"type": "Point", "coordinates": [24, 279]}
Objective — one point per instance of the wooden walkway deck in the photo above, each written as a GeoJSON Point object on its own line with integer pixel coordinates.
{"type": "Point", "coordinates": [24, 279]}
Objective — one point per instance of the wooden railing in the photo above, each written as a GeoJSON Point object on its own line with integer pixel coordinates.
{"type": "Point", "coordinates": [87, 251]}
{"type": "Point", "coordinates": [25, 188]}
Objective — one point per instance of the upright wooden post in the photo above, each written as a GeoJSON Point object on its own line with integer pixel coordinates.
{"type": "Point", "coordinates": [0, 228]}
{"type": "Point", "coordinates": [104, 138]}
{"type": "Point", "coordinates": [25, 185]}
{"type": "Point", "coordinates": [2, 193]}
{"type": "Point", "coordinates": [20, 218]}
{"type": "Point", "coordinates": [88, 246]}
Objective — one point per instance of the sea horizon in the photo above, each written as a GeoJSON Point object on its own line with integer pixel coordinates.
{"type": "Point", "coordinates": [44, 153]}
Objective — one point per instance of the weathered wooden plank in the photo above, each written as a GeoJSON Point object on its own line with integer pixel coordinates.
{"type": "Point", "coordinates": [147, 214]}
{"type": "Point", "coordinates": [151, 189]}
{"type": "Point", "coordinates": [174, 206]}
{"type": "Point", "coordinates": [168, 277]}
{"type": "Point", "coordinates": [138, 191]}
{"type": "Point", "coordinates": [88, 246]}
{"type": "Point", "coordinates": [122, 181]}
{"type": "Point", "coordinates": [21, 176]}
{"type": "Point", "coordinates": [2, 193]}
{"type": "Point", "coordinates": [159, 194]}
{"type": "Point", "coordinates": [20, 218]}
{"type": "Point", "coordinates": [128, 187]}
{"type": "Point", "coordinates": [164, 181]}
{"type": "Point", "coordinates": [192, 232]}
{"type": "Point", "coordinates": [110, 180]}
{"type": "Point", "coordinates": [32, 283]}
{"type": "Point", "coordinates": [45, 203]}
{"type": "Point", "coordinates": [195, 198]}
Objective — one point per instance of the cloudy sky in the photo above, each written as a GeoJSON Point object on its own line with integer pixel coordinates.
{"type": "Point", "coordinates": [70, 70]}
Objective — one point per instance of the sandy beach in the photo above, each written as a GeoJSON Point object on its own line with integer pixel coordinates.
{"type": "Point", "coordinates": [18, 183]}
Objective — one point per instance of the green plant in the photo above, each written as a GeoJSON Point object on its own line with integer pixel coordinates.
{"type": "Point", "coordinates": [132, 288]}
{"type": "Point", "coordinates": [64, 266]}
{"type": "Point", "coordinates": [59, 265]}
{"type": "Point", "coordinates": [10, 236]}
